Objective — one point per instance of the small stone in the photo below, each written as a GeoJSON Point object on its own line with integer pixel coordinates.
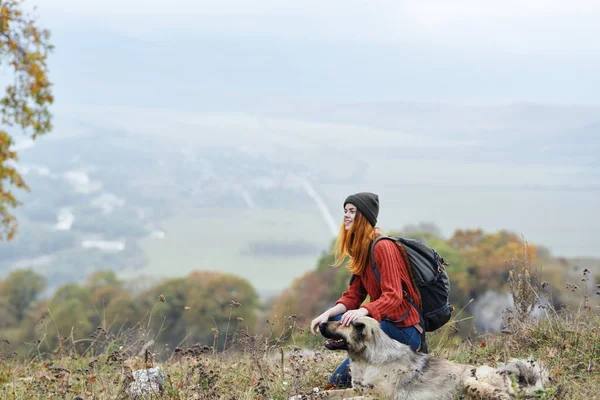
{"type": "Point", "coordinates": [147, 383]}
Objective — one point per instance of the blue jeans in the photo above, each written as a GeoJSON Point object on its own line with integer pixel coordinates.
{"type": "Point", "coordinates": [409, 336]}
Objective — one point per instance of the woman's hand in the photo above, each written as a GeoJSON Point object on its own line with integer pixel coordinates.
{"type": "Point", "coordinates": [351, 315]}
{"type": "Point", "coordinates": [321, 318]}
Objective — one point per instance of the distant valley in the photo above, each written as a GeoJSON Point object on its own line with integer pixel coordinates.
{"type": "Point", "coordinates": [259, 194]}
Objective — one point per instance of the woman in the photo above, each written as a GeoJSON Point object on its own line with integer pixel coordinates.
{"type": "Point", "coordinates": [387, 305]}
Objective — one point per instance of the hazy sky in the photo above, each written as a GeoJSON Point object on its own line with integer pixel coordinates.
{"type": "Point", "coordinates": [528, 26]}
{"type": "Point", "coordinates": [240, 55]}
{"type": "Point", "coordinates": [467, 51]}
{"type": "Point", "coordinates": [521, 25]}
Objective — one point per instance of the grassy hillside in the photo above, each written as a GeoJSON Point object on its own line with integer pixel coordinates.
{"type": "Point", "coordinates": [566, 342]}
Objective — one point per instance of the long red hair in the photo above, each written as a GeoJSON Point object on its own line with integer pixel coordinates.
{"type": "Point", "coordinates": [355, 243]}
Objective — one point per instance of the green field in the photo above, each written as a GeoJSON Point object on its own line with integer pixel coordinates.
{"type": "Point", "coordinates": [219, 239]}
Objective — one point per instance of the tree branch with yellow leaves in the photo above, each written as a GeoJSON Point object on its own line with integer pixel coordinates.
{"type": "Point", "coordinates": [24, 49]}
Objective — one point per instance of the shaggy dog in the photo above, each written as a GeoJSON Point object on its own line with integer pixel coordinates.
{"type": "Point", "coordinates": [387, 369]}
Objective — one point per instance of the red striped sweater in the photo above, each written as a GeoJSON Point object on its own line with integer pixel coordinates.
{"type": "Point", "coordinates": [386, 300]}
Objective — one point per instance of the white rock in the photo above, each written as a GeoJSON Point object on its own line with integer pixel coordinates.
{"type": "Point", "coordinates": [147, 383]}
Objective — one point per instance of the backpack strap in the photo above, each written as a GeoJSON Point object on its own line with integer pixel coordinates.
{"type": "Point", "coordinates": [424, 347]}
{"type": "Point", "coordinates": [372, 253]}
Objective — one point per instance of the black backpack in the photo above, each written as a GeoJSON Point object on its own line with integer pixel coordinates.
{"type": "Point", "coordinates": [431, 282]}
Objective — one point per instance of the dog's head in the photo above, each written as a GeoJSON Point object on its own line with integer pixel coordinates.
{"type": "Point", "coordinates": [352, 338]}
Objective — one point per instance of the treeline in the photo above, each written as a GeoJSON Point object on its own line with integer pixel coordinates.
{"type": "Point", "coordinates": [211, 308]}
{"type": "Point", "coordinates": [190, 309]}
{"type": "Point", "coordinates": [479, 262]}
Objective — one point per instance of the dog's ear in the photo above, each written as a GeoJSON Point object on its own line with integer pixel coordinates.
{"type": "Point", "coordinates": [359, 334]}
{"type": "Point", "coordinates": [358, 326]}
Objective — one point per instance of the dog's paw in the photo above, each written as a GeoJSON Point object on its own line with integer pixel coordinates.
{"type": "Point", "coordinates": [478, 392]}
{"type": "Point", "coordinates": [500, 395]}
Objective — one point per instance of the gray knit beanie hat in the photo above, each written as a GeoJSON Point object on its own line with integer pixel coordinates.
{"type": "Point", "coordinates": [367, 203]}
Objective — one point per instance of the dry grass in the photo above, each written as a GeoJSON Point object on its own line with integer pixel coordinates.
{"type": "Point", "coordinates": [566, 341]}
{"type": "Point", "coordinates": [251, 368]}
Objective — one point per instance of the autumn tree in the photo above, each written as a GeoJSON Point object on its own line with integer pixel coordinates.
{"type": "Point", "coordinates": [196, 304]}
{"type": "Point", "coordinates": [7, 318]}
{"type": "Point", "coordinates": [224, 301]}
{"type": "Point", "coordinates": [24, 48]}
{"type": "Point", "coordinates": [20, 290]}
{"type": "Point", "coordinates": [309, 295]}
{"type": "Point", "coordinates": [71, 312]}
{"type": "Point", "coordinates": [103, 286]}
{"type": "Point", "coordinates": [490, 257]}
